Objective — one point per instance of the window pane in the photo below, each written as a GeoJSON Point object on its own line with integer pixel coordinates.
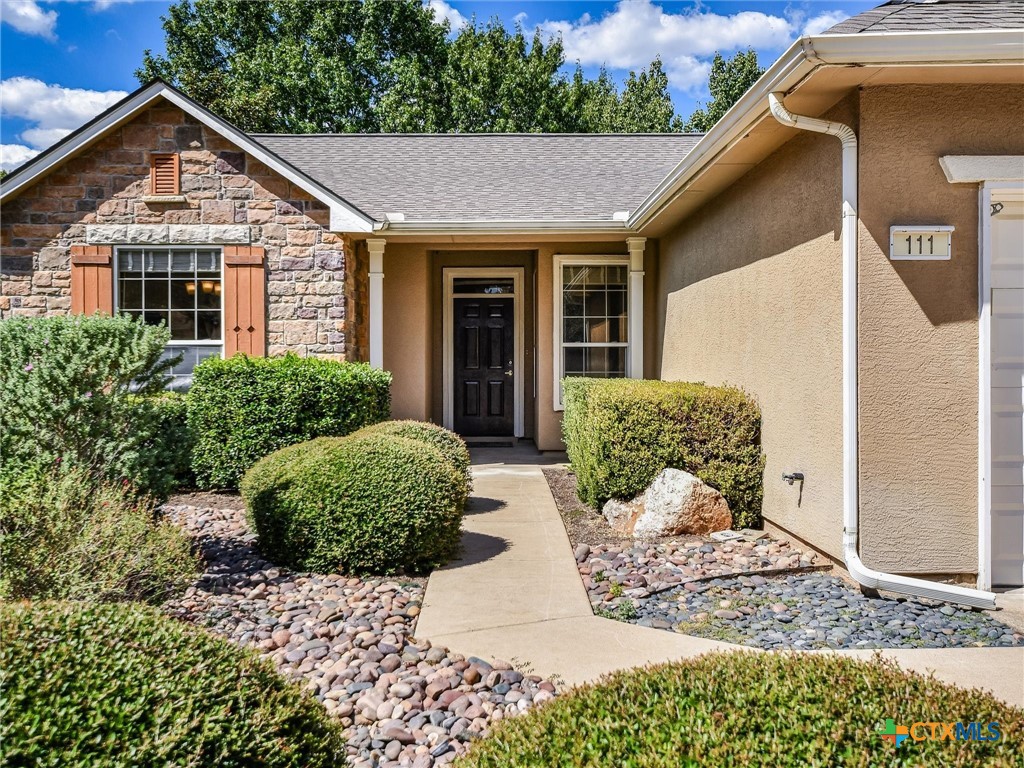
{"type": "Point", "coordinates": [183, 294]}
{"type": "Point", "coordinates": [183, 261]}
{"type": "Point", "coordinates": [157, 262]}
{"type": "Point", "coordinates": [156, 293]}
{"type": "Point", "coordinates": [482, 285]}
{"type": "Point", "coordinates": [208, 326]}
{"type": "Point", "coordinates": [130, 294]}
{"type": "Point", "coordinates": [191, 356]}
{"type": "Point", "coordinates": [574, 361]}
{"type": "Point", "coordinates": [573, 277]}
{"type": "Point", "coordinates": [595, 303]}
{"type": "Point", "coordinates": [208, 261]}
{"type": "Point", "coordinates": [130, 262]}
{"type": "Point", "coordinates": [154, 318]}
{"type": "Point", "coordinates": [573, 303]}
{"type": "Point", "coordinates": [616, 276]}
{"type": "Point", "coordinates": [595, 276]}
{"type": "Point", "coordinates": [183, 326]}
{"type": "Point", "coordinates": [573, 330]}
{"type": "Point", "coordinates": [208, 294]}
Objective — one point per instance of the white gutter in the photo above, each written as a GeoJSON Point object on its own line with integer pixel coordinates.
{"type": "Point", "coordinates": [864, 575]}
{"type": "Point", "coordinates": [1001, 46]}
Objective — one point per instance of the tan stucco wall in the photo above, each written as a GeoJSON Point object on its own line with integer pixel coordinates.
{"type": "Point", "coordinates": [749, 290]}
{"type": "Point", "coordinates": [410, 324]}
{"type": "Point", "coordinates": [918, 323]}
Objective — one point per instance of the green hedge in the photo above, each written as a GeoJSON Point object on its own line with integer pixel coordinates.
{"type": "Point", "coordinates": [241, 409]}
{"type": "Point", "coordinates": [76, 392]}
{"type": "Point", "coordinates": [451, 446]}
{"type": "Point", "coordinates": [745, 709]}
{"type": "Point", "coordinates": [68, 536]}
{"type": "Point", "coordinates": [372, 504]}
{"type": "Point", "coordinates": [620, 433]}
{"type": "Point", "coordinates": [90, 685]}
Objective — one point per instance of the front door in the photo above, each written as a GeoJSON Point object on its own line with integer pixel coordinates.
{"type": "Point", "coordinates": [483, 355]}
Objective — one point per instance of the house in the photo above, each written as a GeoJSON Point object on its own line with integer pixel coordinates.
{"type": "Point", "coordinates": [846, 244]}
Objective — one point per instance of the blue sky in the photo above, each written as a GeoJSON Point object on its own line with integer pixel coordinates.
{"type": "Point", "coordinates": [63, 62]}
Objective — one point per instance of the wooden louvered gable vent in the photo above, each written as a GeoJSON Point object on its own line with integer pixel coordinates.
{"type": "Point", "coordinates": [163, 175]}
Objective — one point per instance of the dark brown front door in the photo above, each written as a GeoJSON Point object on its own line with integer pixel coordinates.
{"type": "Point", "coordinates": [484, 348]}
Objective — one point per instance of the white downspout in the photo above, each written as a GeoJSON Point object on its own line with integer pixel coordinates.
{"type": "Point", "coordinates": [865, 576]}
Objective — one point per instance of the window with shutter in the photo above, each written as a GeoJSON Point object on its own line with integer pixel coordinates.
{"type": "Point", "coordinates": [163, 175]}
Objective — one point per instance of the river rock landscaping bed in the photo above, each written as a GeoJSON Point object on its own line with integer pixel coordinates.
{"type": "Point", "coordinates": [762, 593]}
{"type": "Point", "coordinates": [816, 610]}
{"type": "Point", "coordinates": [402, 701]}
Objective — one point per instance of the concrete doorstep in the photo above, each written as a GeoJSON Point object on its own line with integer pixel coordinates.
{"type": "Point", "coordinates": [516, 594]}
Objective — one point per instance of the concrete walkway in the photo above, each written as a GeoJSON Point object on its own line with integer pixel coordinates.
{"type": "Point", "coordinates": [516, 595]}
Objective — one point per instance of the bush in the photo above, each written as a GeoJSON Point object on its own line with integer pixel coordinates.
{"type": "Point", "coordinates": [451, 446]}
{"type": "Point", "coordinates": [87, 685]}
{"type": "Point", "coordinates": [171, 445]}
{"type": "Point", "coordinates": [66, 536]}
{"type": "Point", "coordinates": [376, 504]}
{"type": "Point", "coordinates": [747, 709]}
{"type": "Point", "coordinates": [241, 409]}
{"type": "Point", "coordinates": [74, 392]}
{"type": "Point", "coordinates": [620, 433]}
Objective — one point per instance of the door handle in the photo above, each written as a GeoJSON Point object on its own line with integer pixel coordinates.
{"type": "Point", "coordinates": [508, 373]}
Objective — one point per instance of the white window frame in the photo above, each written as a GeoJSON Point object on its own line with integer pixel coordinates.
{"type": "Point", "coordinates": [557, 288]}
{"type": "Point", "coordinates": [220, 268]}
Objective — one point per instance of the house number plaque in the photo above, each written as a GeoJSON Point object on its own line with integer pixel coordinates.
{"type": "Point", "coordinates": [920, 243]}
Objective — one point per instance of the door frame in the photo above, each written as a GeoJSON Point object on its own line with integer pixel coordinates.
{"type": "Point", "coordinates": [991, 191]}
{"type": "Point", "coordinates": [448, 328]}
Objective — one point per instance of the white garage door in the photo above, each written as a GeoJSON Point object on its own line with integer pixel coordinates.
{"type": "Point", "coordinates": [1008, 395]}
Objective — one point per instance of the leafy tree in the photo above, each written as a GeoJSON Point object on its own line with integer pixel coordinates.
{"type": "Point", "coordinates": [497, 82]}
{"type": "Point", "coordinates": [301, 66]}
{"type": "Point", "coordinates": [388, 65]}
{"type": "Point", "coordinates": [3, 174]}
{"type": "Point", "coordinates": [729, 79]}
{"type": "Point", "coordinates": [646, 106]}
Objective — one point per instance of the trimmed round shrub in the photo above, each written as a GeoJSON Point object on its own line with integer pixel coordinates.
{"type": "Point", "coordinates": [372, 504]}
{"type": "Point", "coordinates": [244, 408]}
{"type": "Point", "coordinates": [89, 684]}
{"type": "Point", "coordinates": [451, 446]}
{"type": "Point", "coordinates": [752, 709]}
{"type": "Point", "coordinates": [67, 536]}
{"type": "Point", "coordinates": [621, 433]}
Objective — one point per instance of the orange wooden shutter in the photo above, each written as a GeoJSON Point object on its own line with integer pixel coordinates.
{"type": "Point", "coordinates": [245, 313]}
{"type": "Point", "coordinates": [163, 175]}
{"type": "Point", "coordinates": [92, 279]}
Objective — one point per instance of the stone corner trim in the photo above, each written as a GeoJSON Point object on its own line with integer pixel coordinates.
{"type": "Point", "coordinates": [243, 255]}
{"type": "Point", "coordinates": [167, 234]}
{"type": "Point", "coordinates": [91, 254]}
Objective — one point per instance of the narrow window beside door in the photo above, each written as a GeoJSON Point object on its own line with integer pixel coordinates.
{"type": "Point", "coordinates": [592, 330]}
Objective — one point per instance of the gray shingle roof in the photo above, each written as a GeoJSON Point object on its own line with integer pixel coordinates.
{"type": "Point", "coordinates": [486, 176]}
{"type": "Point", "coordinates": [934, 15]}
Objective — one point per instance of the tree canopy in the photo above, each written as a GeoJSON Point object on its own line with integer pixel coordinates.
{"type": "Point", "coordinates": [729, 79]}
{"type": "Point", "coordinates": [305, 66]}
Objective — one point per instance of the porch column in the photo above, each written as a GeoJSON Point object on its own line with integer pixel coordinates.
{"type": "Point", "coordinates": [375, 246]}
{"type": "Point", "coordinates": [636, 306]}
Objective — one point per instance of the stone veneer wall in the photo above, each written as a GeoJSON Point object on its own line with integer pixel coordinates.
{"type": "Point", "coordinates": [227, 196]}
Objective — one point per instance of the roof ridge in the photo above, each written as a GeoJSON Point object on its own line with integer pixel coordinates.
{"type": "Point", "coordinates": [492, 134]}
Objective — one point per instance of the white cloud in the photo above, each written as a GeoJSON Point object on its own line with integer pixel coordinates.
{"type": "Point", "coordinates": [444, 11]}
{"type": "Point", "coordinates": [823, 21]}
{"type": "Point", "coordinates": [26, 16]}
{"type": "Point", "coordinates": [635, 31]}
{"type": "Point", "coordinates": [13, 155]}
{"type": "Point", "coordinates": [54, 110]}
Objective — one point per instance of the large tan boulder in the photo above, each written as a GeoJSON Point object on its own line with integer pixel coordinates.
{"type": "Point", "coordinates": [675, 503]}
